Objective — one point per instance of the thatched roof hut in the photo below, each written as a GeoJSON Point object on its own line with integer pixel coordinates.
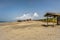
{"type": "Point", "coordinates": [50, 14]}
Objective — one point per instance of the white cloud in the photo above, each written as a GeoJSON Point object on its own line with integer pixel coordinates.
{"type": "Point", "coordinates": [35, 14]}
{"type": "Point", "coordinates": [24, 16]}
{"type": "Point", "coordinates": [27, 16]}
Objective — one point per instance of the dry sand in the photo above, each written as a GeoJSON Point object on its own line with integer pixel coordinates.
{"type": "Point", "coordinates": [32, 30]}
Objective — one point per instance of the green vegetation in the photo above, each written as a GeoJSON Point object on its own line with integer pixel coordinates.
{"type": "Point", "coordinates": [49, 20]}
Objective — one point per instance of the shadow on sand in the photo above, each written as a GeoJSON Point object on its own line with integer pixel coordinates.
{"type": "Point", "coordinates": [48, 25]}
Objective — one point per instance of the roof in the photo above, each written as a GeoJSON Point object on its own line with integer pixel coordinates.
{"type": "Point", "coordinates": [52, 14]}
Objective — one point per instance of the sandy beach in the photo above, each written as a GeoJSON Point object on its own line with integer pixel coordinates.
{"type": "Point", "coordinates": [32, 30]}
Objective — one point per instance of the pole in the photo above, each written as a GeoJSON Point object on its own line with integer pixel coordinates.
{"type": "Point", "coordinates": [53, 20]}
{"type": "Point", "coordinates": [47, 20]}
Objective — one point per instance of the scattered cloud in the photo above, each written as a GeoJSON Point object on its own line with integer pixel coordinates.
{"type": "Point", "coordinates": [24, 16]}
{"type": "Point", "coordinates": [35, 15]}
{"type": "Point", "coordinates": [27, 16]}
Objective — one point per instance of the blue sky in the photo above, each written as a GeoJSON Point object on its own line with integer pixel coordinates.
{"type": "Point", "coordinates": [10, 9]}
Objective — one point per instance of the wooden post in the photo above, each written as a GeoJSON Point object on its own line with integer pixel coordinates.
{"type": "Point", "coordinates": [57, 20]}
{"type": "Point", "coordinates": [53, 20]}
{"type": "Point", "coordinates": [47, 20]}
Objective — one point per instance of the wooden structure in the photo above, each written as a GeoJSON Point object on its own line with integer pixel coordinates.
{"type": "Point", "coordinates": [54, 15]}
